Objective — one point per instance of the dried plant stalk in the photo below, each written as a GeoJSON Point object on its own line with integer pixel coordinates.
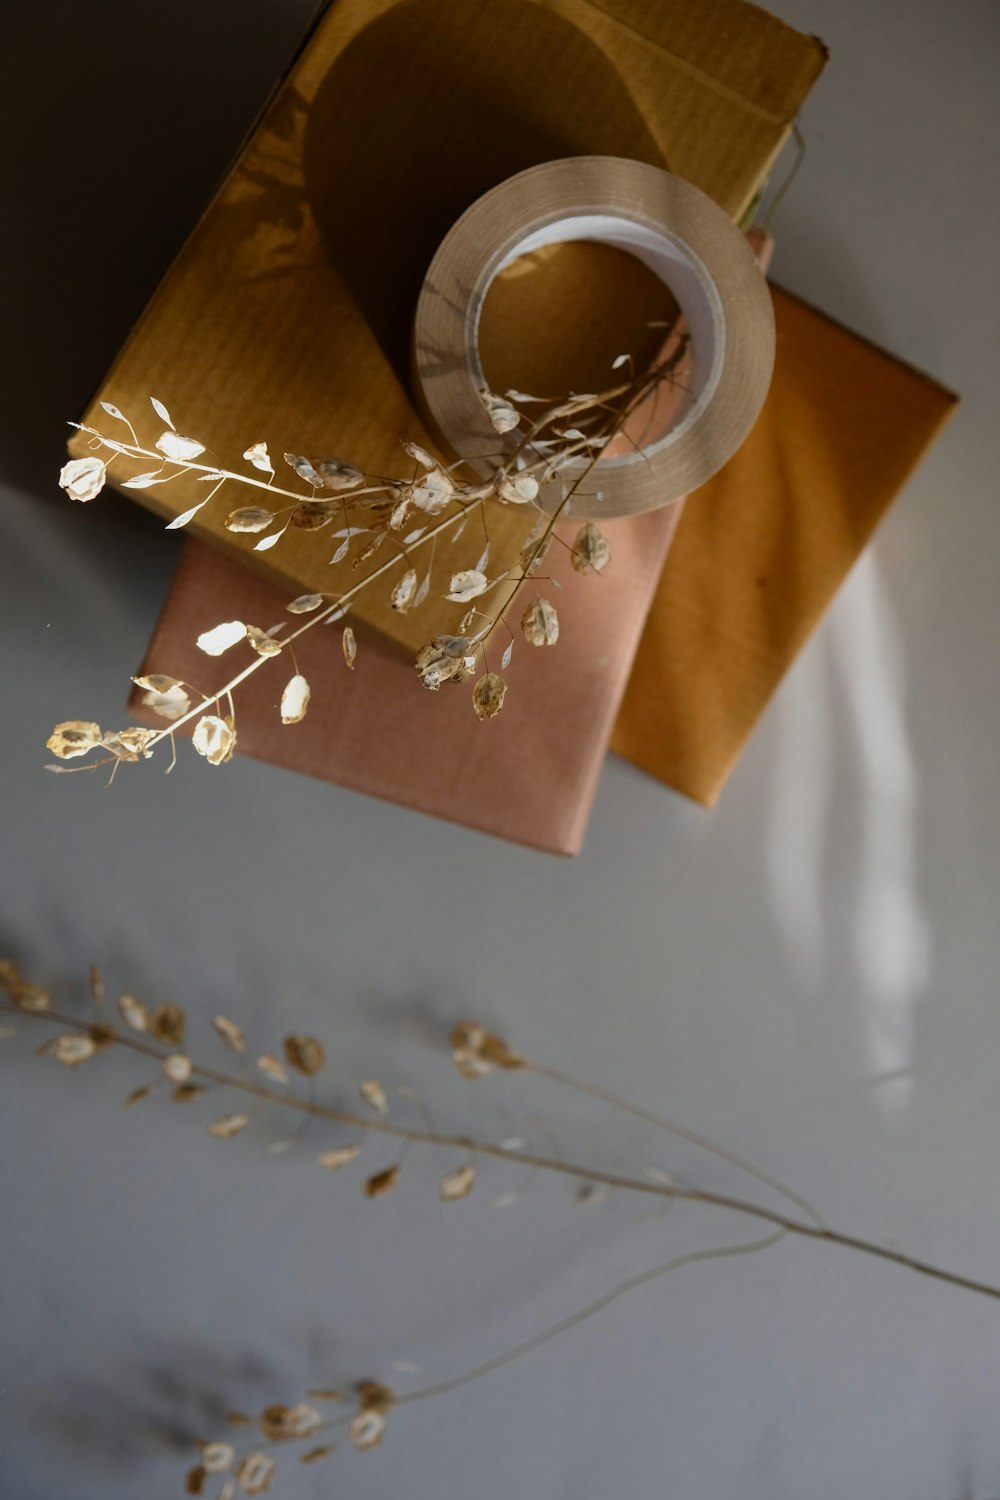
{"type": "Point", "coordinates": [475, 1053]}
{"type": "Point", "coordinates": [374, 510]}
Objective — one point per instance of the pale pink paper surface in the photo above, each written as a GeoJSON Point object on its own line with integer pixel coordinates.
{"type": "Point", "coordinates": [528, 775]}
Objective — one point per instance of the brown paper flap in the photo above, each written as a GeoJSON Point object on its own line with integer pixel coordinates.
{"type": "Point", "coordinates": [764, 546]}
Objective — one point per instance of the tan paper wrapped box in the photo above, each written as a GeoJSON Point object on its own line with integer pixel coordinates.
{"type": "Point", "coordinates": [287, 315]}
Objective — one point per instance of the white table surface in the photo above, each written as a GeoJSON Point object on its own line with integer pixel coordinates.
{"type": "Point", "coordinates": [808, 973]}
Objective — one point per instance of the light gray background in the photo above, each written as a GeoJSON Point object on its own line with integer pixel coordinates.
{"type": "Point", "coordinates": [809, 972]}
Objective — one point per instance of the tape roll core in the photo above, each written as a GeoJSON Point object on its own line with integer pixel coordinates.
{"type": "Point", "coordinates": [679, 234]}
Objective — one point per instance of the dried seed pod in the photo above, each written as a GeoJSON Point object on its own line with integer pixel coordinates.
{"type": "Point", "coordinates": [382, 1182]}
{"type": "Point", "coordinates": [230, 1034]}
{"type": "Point", "coordinates": [591, 553]}
{"type": "Point", "coordinates": [228, 1125]}
{"type": "Point", "coordinates": [459, 1183]}
{"type": "Point", "coordinates": [540, 623]}
{"type": "Point", "coordinates": [304, 1053]}
{"type": "Point", "coordinates": [72, 738]}
{"type": "Point", "coordinates": [488, 695]}
{"type": "Point", "coordinates": [338, 1156]}
{"type": "Point", "coordinates": [167, 1024]}
{"type": "Point", "coordinates": [374, 1094]}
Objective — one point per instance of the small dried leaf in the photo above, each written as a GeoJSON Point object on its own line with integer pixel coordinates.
{"type": "Point", "coordinates": [32, 997]}
{"type": "Point", "coordinates": [267, 542]}
{"type": "Point", "coordinates": [370, 548]}
{"type": "Point", "coordinates": [161, 412]}
{"type": "Point", "coordinates": [508, 653]}
{"type": "Point", "coordinates": [340, 553]}
{"type": "Point", "coordinates": [325, 473]}
{"type": "Point", "coordinates": [144, 480]}
{"type": "Point", "coordinates": [442, 662]}
{"type": "Point", "coordinates": [185, 517]}
{"type": "Point", "coordinates": [367, 1429]}
{"type": "Point", "coordinates": [534, 552]}
{"type": "Point", "coordinates": [133, 1012]}
{"type": "Point", "coordinates": [177, 1067]}
{"type": "Point", "coordinates": [178, 449]}
{"type": "Point", "coordinates": [137, 1095]}
{"type": "Point", "coordinates": [432, 492]}
{"type": "Point", "coordinates": [186, 1093]}
{"type": "Point", "coordinates": [255, 1473]}
{"type": "Point", "coordinates": [503, 417]}
{"type": "Point", "coordinates": [278, 1421]}
{"type": "Point", "coordinates": [374, 1396]}
{"type": "Point", "coordinates": [350, 646]}
{"type": "Point", "coordinates": [458, 1184]}
{"type": "Point", "coordinates": [257, 455]}
{"type": "Point", "coordinates": [382, 1182]}
{"type": "Point", "coordinates": [338, 1156]}
{"type": "Point", "coordinates": [314, 1455]}
{"type": "Point", "coordinates": [238, 1419]}
{"type": "Point", "coordinates": [305, 604]}
{"type": "Point", "coordinates": [420, 454]}
{"type": "Point", "coordinates": [83, 478]}
{"type": "Point", "coordinates": [467, 585]}
{"type": "Point", "coordinates": [230, 1034]}
{"type": "Point", "coordinates": [249, 518]}
{"type": "Point", "coordinates": [294, 699]}
{"type": "Point", "coordinates": [406, 588]}
{"type": "Point", "coordinates": [313, 515]}
{"type": "Point", "coordinates": [217, 1457]}
{"type": "Point", "coordinates": [215, 739]}
{"type": "Point", "coordinates": [263, 643]}
{"type": "Point", "coordinates": [304, 1053]}
{"type": "Point", "coordinates": [592, 1193]}
{"type": "Point", "coordinates": [73, 1050]}
{"type": "Point", "coordinates": [591, 552]}
{"type": "Point", "coordinates": [164, 695]}
{"type": "Point", "coordinates": [228, 1125]}
{"type": "Point", "coordinates": [221, 637]}
{"type": "Point", "coordinates": [373, 1093]}
{"type": "Point", "coordinates": [519, 489]}
{"type": "Point", "coordinates": [112, 411]}
{"type": "Point", "coordinates": [194, 1480]}
{"type": "Point", "coordinates": [129, 744]}
{"type": "Point", "coordinates": [540, 623]}
{"type": "Point", "coordinates": [166, 1024]}
{"type": "Point", "coordinates": [72, 738]}
{"type": "Point", "coordinates": [476, 1051]}
{"type": "Point", "coordinates": [272, 1068]}
{"type": "Point", "coordinates": [423, 590]}
{"type": "Point", "coordinates": [488, 695]}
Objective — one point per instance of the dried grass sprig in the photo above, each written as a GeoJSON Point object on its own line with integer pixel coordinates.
{"type": "Point", "coordinates": [159, 1034]}
{"type": "Point", "coordinates": [564, 434]}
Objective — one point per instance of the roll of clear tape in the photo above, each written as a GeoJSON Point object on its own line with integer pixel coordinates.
{"type": "Point", "coordinates": [686, 240]}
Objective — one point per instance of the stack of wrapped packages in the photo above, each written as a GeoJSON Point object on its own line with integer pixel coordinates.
{"type": "Point", "coordinates": [288, 317]}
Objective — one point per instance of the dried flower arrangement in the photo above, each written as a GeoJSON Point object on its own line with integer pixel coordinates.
{"type": "Point", "coordinates": [361, 1412]}
{"type": "Point", "coordinates": [564, 443]}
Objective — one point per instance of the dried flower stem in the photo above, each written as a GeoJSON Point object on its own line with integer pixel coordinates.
{"type": "Point", "coordinates": [618, 1180]}
{"type": "Point", "coordinates": [534, 461]}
